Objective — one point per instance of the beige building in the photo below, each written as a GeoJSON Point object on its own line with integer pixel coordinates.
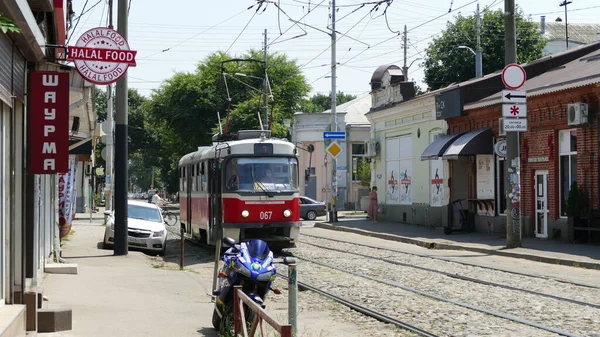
{"type": "Point", "coordinates": [308, 130]}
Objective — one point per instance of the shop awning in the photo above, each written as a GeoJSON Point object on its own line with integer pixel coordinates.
{"type": "Point", "coordinates": [439, 146]}
{"type": "Point", "coordinates": [470, 144]}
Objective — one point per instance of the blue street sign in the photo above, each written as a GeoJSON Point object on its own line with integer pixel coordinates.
{"type": "Point", "coordinates": [334, 135]}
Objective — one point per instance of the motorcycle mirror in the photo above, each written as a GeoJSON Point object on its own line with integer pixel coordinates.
{"type": "Point", "coordinates": [229, 242]}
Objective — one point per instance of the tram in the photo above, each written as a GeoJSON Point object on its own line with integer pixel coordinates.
{"type": "Point", "coordinates": [243, 186]}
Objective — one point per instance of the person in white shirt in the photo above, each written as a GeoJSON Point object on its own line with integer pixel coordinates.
{"type": "Point", "coordinates": [158, 201]}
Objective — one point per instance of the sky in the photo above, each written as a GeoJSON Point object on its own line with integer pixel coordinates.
{"type": "Point", "coordinates": [174, 36]}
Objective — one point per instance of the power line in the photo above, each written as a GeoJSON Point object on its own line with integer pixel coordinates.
{"type": "Point", "coordinates": [570, 10]}
{"type": "Point", "coordinates": [243, 29]}
{"type": "Point", "coordinates": [295, 24]}
{"type": "Point", "coordinates": [196, 35]}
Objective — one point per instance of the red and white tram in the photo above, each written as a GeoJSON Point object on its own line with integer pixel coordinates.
{"type": "Point", "coordinates": [246, 187]}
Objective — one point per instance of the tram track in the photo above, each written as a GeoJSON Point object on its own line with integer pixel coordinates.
{"type": "Point", "coordinates": [456, 276]}
{"type": "Point", "coordinates": [364, 310]}
{"type": "Point", "coordinates": [501, 315]}
{"type": "Point", "coordinates": [579, 284]}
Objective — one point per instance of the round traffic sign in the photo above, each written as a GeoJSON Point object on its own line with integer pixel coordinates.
{"type": "Point", "coordinates": [513, 76]}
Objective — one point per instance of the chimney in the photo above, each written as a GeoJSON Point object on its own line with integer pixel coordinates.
{"type": "Point", "coordinates": [543, 25]}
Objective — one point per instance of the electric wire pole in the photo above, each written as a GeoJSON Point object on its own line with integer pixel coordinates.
{"type": "Point", "coordinates": [108, 178]}
{"type": "Point", "coordinates": [565, 3]}
{"type": "Point", "coordinates": [121, 153]}
{"type": "Point", "coordinates": [405, 67]}
{"type": "Point", "coordinates": [478, 56]}
{"type": "Point", "coordinates": [334, 126]}
{"type": "Point", "coordinates": [512, 180]}
{"type": "Point", "coordinates": [266, 86]}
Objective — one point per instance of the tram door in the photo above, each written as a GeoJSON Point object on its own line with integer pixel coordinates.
{"type": "Point", "coordinates": [216, 211]}
{"type": "Point", "coordinates": [189, 170]}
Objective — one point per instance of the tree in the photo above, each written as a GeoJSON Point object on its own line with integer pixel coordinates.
{"type": "Point", "coordinates": [7, 25]}
{"type": "Point", "coordinates": [445, 63]}
{"type": "Point", "coordinates": [321, 102]}
{"type": "Point", "coordinates": [363, 172]}
{"type": "Point", "coordinates": [183, 111]}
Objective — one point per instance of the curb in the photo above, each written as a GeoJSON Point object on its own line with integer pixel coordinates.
{"type": "Point", "coordinates": [445, 246]}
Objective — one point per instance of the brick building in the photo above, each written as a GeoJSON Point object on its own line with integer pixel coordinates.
{"type": "Point", "coordinates": [560, 147]}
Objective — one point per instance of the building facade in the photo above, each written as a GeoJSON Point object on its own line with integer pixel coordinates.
{"type": "Point", "coordinates": [409, 190]}
{"type": "Point", "coordinates": [559, 148]}
{"type": "Point", "coordinates": [308, 130]}
{"type": "Point", "coordinates": [29, 203]}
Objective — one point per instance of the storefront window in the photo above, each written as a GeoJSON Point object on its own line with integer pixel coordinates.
{"type": "Point", "coordinates": [568, 165]}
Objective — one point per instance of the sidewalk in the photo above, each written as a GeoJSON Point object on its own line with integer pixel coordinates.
{"type": "Point", "coordinates": [95, 215]}
{"type": "Point", "coordinates": [125, 295]}
{"type": "Point", "coordinates": [547, 251]}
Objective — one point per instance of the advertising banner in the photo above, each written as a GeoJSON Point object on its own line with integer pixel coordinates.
{"type": "Point", "coordinates": [49, 122]}
{"type": "Point", "coordinates": [67, 198]}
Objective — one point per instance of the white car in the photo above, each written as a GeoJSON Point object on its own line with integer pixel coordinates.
{"type": "Point", "coordinates": [146, 228]}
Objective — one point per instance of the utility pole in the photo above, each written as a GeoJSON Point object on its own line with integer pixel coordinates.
{"type": "Point", "coordinates": [512, 163]}
{"type": "Point", "coordinates": [110, 134]}
{"type": "Point", "coordinates": [266, 85]}
{"type": "Point", "coordinates": [334, 126]}
{"type": "Point", "coordinates": [478, 56]}
{"type": "Point", "coordinates": [405, 67]}
{"type": "Point", "coordinates": [565, 3]}
{"type": "Point", "coordinates": [121, 162]}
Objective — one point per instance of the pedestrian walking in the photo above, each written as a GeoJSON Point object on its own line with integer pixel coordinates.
{"type": "Point", "coordinates": [373, 204]}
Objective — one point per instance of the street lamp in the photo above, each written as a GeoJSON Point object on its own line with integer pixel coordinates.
{"type": "Point", "coordinates": [478, 61]}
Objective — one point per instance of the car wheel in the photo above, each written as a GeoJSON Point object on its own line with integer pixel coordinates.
{"type": "Point", "coordinates": [311, 215]}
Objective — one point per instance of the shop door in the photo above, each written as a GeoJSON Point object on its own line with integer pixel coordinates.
{"type": "Point", "coordinates": [541, 204]}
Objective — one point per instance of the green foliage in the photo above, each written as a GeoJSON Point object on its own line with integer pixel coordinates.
{"type": "Point", "coordinates": [7, 25]}
{"type": "Point", "coordinates": [363, 172]}
{"type": "Point", "coordinates": [445, 63]}
{"type": "Point", "coordinates": [320, 102]}
{"type": "Point", "coordinates": [100, 103]}
{"type": "Point", "coordinates": [182, 113]}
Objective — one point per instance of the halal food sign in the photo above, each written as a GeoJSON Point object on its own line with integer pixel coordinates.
{"type": "Point", "coordinates": [101, 55]}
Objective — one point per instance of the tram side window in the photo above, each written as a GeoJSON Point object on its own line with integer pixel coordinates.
{"type": "Point", "coordinates": [181, 179]}
{"type": "Point", "coordinates": [185, 179]}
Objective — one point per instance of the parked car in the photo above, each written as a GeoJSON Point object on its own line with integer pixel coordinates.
{"type": "Point", "coordinates": [310, 209]}
{"type": "Point", "coordinates": [146, 228]}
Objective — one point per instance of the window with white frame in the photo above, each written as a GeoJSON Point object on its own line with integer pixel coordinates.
{"type": "Point", "coordinates": [567, 165]}
{"type": "Point", "coordinates": [358, 155]}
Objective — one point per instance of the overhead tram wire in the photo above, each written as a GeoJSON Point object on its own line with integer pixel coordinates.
{"type": "Point", "coordinates": [393, 37]}
{"type": "Point", "coordinates": [329, 47]}
{"type": "Point", "coordinates": [295, 24]}
{"type": "Point", "coordinates": [243, 29]}
{"type": "Point", "coordinates": [194, 36]}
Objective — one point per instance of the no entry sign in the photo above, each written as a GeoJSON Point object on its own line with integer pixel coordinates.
{"type": "Point", "coordinates": [513, 76]}
{"type": "Point", "coordinates": [101, 55]}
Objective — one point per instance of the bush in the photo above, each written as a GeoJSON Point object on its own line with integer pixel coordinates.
{"type": "Point", "coordinates": [363, 172]}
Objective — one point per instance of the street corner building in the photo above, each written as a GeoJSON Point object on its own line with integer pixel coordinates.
{"type": "Point", "coordinates": [47, 125]}
{"type": "Point", "coordinates": [438, 158]}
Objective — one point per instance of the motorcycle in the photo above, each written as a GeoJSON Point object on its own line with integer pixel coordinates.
{"type": "Point", "coordinates": [250, 265]}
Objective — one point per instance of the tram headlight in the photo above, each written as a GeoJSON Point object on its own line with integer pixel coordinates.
{"type": "Point", "coordinates": [245, 213]}
{"type": "Point", "coordinates": [287, 213]}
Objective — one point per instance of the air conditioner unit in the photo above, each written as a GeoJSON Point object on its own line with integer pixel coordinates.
{"type": "Point", "coordinates": [372, 148]}
{"type": "Point", "coordinates": [577, 113]}
{"type": "Point", "coordinates": [501, 131]}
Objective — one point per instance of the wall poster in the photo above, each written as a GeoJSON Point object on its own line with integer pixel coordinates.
{"type": "Point", "coordinates": [436, 170]}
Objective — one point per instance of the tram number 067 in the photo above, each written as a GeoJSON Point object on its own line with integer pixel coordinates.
{"type": "Point", "coordinates": [266, 215]}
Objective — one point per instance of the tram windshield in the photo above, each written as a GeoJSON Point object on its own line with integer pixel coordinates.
{"type": "Point", "coordinates": [262, 174]}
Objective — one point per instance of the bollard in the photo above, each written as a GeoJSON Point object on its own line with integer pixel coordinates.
{"type": "Point", "coordinates": [292, 297]}
{"type": "Point", "coordinates": [181, 247]}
